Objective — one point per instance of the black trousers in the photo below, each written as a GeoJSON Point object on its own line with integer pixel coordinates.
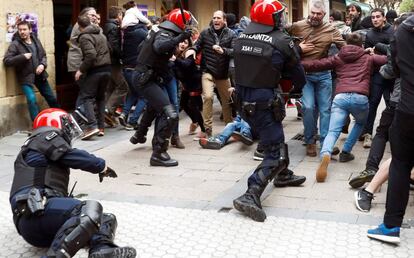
{"type": "Point", "coordinates": [193, 105]}
{"type": "Point", "coordinates": [402, 150]}
{"type": "Point", "coordinates": [380, 139]}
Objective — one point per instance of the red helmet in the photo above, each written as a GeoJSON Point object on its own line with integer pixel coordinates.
{"type": "Point", "coordinates": [58, 118]}
{"type": "Point", "coordinates": [267, 12]}
{"type": "Point", "coordinates": [176, 17]}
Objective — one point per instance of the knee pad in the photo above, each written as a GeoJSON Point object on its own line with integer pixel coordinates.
{"type": "Point", "coordinates": [275, 166]}
{"type": "Point", "coordinates": [88, 223]}
{"type": "Point", "coordinates": [171, 114]}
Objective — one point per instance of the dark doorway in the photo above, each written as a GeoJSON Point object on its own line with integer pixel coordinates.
{"type": "Point", "coordinates": [65, 13]}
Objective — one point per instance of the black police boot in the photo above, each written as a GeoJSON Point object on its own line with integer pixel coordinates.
{"type": "Point", "coordinates": [288, 178]}
{"type": "Point", "coordinates": [249, 203]}
{"type": "Point", "coordinates": [162, 159]}
{"type": "Point", "coordinates": [114, 252]}
{"type": "Point", "coordinates": [138, 137]}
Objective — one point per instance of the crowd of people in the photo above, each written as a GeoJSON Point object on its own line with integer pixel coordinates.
{"type": "Point", "coordinates": [135, 70]}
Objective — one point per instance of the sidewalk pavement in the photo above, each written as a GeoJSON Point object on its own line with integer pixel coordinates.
{"type": "Point", "coordinates": [187, 210]}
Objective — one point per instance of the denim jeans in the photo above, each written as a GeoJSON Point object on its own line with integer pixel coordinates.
{"type": "Point", "coordinates": [344, 104]}
{"type": "Point", "coordinates": [45, 90]}
{"type": "Point", "coordinates": [171, 88]}
{"type": "Point", "coordinates": [316, 94]}
{"type": "Point", "coordinates": [237, 125]}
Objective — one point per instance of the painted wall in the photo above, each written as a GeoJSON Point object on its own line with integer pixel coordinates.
{"type": "Point", "coordinates": [14, 114]}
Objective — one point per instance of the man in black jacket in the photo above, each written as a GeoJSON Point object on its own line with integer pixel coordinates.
{"type": "Point", "coordinates": [117, 88]}
{"type": "Point", "coordinates": [380, 87]}
{"type": "Point", "coordinates": [27, 55]}
{"type": "Point", "coordinates": [355, 12]}
{"type": "Point", "coordinates": [216, 44]}
{"type": "Point", "coordinates": [151, 74]}
{"type": "Point", "coordinates": [401, 137]}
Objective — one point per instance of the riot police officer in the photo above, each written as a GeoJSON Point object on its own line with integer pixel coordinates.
{"type": "Point", "coordinates": [43, 212]}
{"type": "Point", "coordinates": [264, 44]}
{"type": "Point", "coordinates": [152, 71]}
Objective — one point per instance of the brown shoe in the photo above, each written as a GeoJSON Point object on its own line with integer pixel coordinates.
{"type": "Point", "coordinates": [176, 142]}
{"type": "Point", "coordinates": [193, 128]}
{"type": "Point", "coordinates": [322, 171]}
{"type": "Point", "coordinates": [311, 150]}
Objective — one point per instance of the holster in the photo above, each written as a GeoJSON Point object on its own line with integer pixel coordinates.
{"type": "Point", "coordinates": [278, 108]}
{"type": "Point", "coordinates": [143, 76]}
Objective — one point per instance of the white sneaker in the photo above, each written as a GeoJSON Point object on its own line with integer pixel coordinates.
{"type": "Point", "coordinates": [367, 141]}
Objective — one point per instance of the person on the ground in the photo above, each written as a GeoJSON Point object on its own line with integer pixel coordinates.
{"type": "Point", "coordinates": [44, 211]}
{"type": "Point", "coordinates": [380, 87]}
{"type": "Point", "coordinates": [151, 73]}
{"type": "Point", "coordinates": [401, 137]}
{"type": "Point", "coordinates": [260, 103]}
{"type": "Point", "coordinates": [95, 72]}
{"type": "Point", "coordinates": [317, 37]}
{"type": "Point", "coordinates": [27, 55]}
{"type": "Point", "coordinates": [216, 45]}
{"type": "Point", "coordinates": [353, 67]}
{"type": "Point", "coordinates": [117, 87]}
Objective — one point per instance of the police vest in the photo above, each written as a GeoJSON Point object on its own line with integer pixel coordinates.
{"type": "Point", "coordinates": [253, 58]}
{"type": "Point", "coordinates": [149, 59]}
{"type": "Point", "coordinates": [50, 142]}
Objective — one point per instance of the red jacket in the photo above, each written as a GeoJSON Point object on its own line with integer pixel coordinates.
{"type": "Point", "coordinates": [353, 68]}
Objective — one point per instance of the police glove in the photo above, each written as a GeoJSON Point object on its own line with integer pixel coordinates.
{"type": "Point", "coordinates": [108, 172]}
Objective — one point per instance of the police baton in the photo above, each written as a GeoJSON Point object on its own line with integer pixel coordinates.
{"type": "Point", "coordinates": [182, 11]}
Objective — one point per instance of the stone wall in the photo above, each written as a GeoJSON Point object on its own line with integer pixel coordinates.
{"type": "Point", "coordinates": [14, 115]}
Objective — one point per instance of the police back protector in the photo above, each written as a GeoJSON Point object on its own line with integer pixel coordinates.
{"type": "Point", "coordinates": [253, 58]}
{"type": "Point", "coordinates": [50, 142]}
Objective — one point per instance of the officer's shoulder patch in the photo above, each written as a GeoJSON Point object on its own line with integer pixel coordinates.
{"type": "Point", "coordinates": [164, 34]}
{"type": "Point", "coordinates": [291, 44]}
{"type": "Point", "coordinates": [51, 136]}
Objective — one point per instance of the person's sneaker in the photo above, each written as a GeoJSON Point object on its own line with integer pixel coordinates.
{"type": "Point", "coordinates": [193, 128]}
{"type": "Point", "coordinates": [367, 141]}
{"type": "Point", "coordinates": [101, 132]}
{"type": "Point", "coordinates": [118, 111]}
{"type": "Point", "coordinates": [322, 171]}
{"type": "Point", "coordinates": [363, 200]}
{"type": "Point", "coordinates": [335, 151]}
{"type": "Point", "coordinates": [109, 120]}
{"type": "Point", "coordinates": [258, 155]}
{"type": "Point", "coordinates": [288, 178]}
{"type": "Point", "coordinates": [384, 234]}
{"type": "Point", "coordinates": [122, 119]}
{"type": "Point", "coordinates": [89, 133]}
{"type": "Point", "coordinates": [346, 156]}
{"type": "Point", "coordinates": [200, 135]}
{"type": "Point", "coordinates": [298, 105]}
{"type": "Point", "coordinates": [246, 139]}
{"type": "Point", "coordinates": [213, 143]}
{"type": "Point", "coordinates": [311, 150]}
{"type": "Point", "coordinates": [362, 178]}
{"type": "Point", "coordinates": [130, 127]}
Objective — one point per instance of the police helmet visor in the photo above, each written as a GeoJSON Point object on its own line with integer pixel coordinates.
{"type": "Point", "coordinates": [70, 127]}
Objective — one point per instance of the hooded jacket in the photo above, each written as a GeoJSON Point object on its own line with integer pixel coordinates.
{"type": "Point", "coordinates": [94, 48]}
{"type": "Point", "coordinates": [379, 35]}
{"type": "Point", "coordinates": [353, 68]}
{"type": "Point", "coordinates": [212, 62]}
{"type": "Point", "coordinates": [25, 70]}
{"type": "Point", "coordinates": [402, 53]}
{"type": "Point", "coordinates": [112, 31]}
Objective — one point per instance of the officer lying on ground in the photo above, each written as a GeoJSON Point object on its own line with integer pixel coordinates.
{"type": "Point", "coordinates": [44, 213]}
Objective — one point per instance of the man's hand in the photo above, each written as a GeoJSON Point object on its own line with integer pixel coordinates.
{"type": "Point", "coordinates": [190, 52]}
{"type": "Point", "coordinates": [108, 172]}
{"type": "Point", "coordinates": [173, 58]}
{"type": "Point", "coordinates": [218, 49]}
{"type": "Point", "coordinates": [78, 74]}
{"type": "Point", "coordinates": [28, 55]}
{"type": "Point", "coordinates": [40, 68]}
{"type": "Point", "coordinates": [306, 47]}
{"type": "Point", "coordinates": [370, 50]}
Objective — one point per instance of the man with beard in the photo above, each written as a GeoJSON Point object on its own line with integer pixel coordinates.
{"type": "Point", "coordinates": [354, 11]}
{"type": "Point", "coordinates": [317, 37]}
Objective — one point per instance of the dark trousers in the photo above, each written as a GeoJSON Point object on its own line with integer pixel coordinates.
{"type": "Point", "coordinates": [269, 130]}
{"type": "Point", "coordinates": [402, 150]}
{"type": "Point", "coordinates": [379, 87]}
{"type": "Point", "coordinates": [192, 105]}
{"type": "Point", "coordinates": [380, 139]}
{"type": "Point", "coordinates": [116, 89]}
{"type": "Point", "coordinates": [92, 91]}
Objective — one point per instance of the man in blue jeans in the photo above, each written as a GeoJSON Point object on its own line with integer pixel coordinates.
{"type": "Point", "coordinates": [317, 36]}
{"type": "Point", "coordinates": [27, 55]}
